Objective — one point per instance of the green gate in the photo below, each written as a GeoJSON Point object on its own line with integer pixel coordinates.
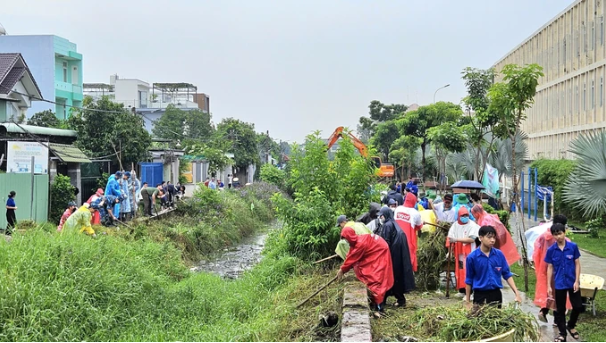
{"type": "Point", "coordinates": [27, 208]}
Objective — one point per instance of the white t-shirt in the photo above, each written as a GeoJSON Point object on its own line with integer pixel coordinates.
{"type": "Point", "coordinates": [469, 230]}
{"type": "Point", "coordinates": [229, 179]}
{"type": "Point", "coordinates": [444, 216]}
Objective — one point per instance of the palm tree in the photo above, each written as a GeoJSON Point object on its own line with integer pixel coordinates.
{"type": "Point", "coordinates": [585, 188]}
{"type": "Point", "coordinates": [500, 157]}
{"type": "Point", "coordinates": [461, 165]}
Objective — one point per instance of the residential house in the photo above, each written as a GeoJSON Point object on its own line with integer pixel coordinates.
{"type": "Point", "coordinates": [57, 67]}
{"type": "Point", "coordinates": [17, 87]}
{"type": "Point", "coordinates": [150, 101]}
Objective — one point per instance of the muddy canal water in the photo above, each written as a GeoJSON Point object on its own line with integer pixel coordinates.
{"type": "Point", "coordinates": [233, 262]}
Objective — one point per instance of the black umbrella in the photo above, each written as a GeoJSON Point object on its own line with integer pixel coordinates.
{"type": "Point", "coordinates": [467, 184]}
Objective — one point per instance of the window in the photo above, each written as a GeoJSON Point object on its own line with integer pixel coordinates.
{"type": "Point", "coordinates": [602, 30]}
{"type": "Point", "coordinates": [142, 99]}
{"type": "Point", "coordinates": [576, 98]}
{"type": "Point", "coordinates": [592, 95]}
{"type": "Point", "coordinates": [584, 96]}
{"type": "Point", "coordinates": [564, 52]}
{"type": "Point", "coordinates": [601, 91]}
{"type": "Point", "coordinates": [592, 36]}
{"type": "Point", "coordinates": [570, 100]}
{"type": "Point", "coordinates": [64, 71]}
{"type": "Point", "coordinates": [577, 43]}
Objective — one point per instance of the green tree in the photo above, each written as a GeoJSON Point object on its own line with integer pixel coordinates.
{"type": "Point", "coordinates": [510, 99]}
{"type": "Point", "coordinates": [214, 153]}
{"type": "Point", "coordinates": [379, 113]}
{"type": "Point", "coordinates": [385, 135]}
{"type": "Point", "coordinates": [478, 83]}
{"type": "Point", "coordinates": [268, 145]}
{"type": "Point", "coordinates": [417, 123]}
{"type": "Point", "coordinates": [176, 123]}
{"type": "Point", "coordinates": [45, 119]}
{"type": "Point", "coordinates": [62, 192]}
{"type": "Point", "coordinates": [404, 151]}
{"type": "Point", "coordinates": [271, 174]}
{"type": "Point", "coordinates": [106, 129]}
{"type": "Point", "coordinates": [449, 137]}
{"type": "Point", "coordinates": [241, 139]}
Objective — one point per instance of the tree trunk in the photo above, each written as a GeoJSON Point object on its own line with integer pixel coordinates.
{"type": "Point", "coordinates": [423, 146]}
{"type": "Point", "coordinates": [477, 164]}
{"type": "Point", "coordinates": [519, 210]}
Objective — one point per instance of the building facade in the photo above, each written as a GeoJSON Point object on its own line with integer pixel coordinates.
{"type": "Point", "coordinates": [150, 101]}
{"type": "Point", "coordinates": [57, 67]}
{"type": "Point", "coordinates": [18, 88]}
{"type": "Point", "coordinates": [570, 98]}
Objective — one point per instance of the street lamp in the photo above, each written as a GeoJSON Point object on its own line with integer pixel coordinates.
{"type": "Point", "coordinates": [434, 94]}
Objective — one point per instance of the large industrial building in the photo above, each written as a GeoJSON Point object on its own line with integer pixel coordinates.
{"type": "Point", "coordinates": [570, 97]}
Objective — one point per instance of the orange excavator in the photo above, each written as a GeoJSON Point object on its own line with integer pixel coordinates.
{"type": "Point", "coordinates": [384, 169]}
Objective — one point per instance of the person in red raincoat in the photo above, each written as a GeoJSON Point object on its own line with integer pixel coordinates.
{"type": "Point", "coordinates": [96, 217]}
{"type": "Point", "coordinates": [504, 242]}
{"type": "Point", "coordinates": [370, 259]}
{"type": "Point", "coordinates": [542, 243]}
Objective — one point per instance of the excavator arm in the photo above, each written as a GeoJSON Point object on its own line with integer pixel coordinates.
{"type": "Point", "coordinates": [338, 133]}
{"type": "Point", "coordinates": [384, 169]}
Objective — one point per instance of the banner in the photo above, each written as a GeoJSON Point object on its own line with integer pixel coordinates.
{"type": "Point", "coordinates": [490, 180]}
{"type": "Point", "coordinates": [19, 157]}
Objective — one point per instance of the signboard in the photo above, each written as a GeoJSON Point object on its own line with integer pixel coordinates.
{"type": "Point", "coordinates": [19, 157]}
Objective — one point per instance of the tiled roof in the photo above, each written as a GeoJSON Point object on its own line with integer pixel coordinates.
{"type": "Point", "coordinates": [7, 61]}
{"type": "Point", "coordinates": [11, 73]}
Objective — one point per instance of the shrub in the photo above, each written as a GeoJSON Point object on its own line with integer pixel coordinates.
{"type": "Point", "coordinates": [62, 192]}
{"type": "Point", "coordinates": [322, 189]}
{"type": "Point", "coordinates": [554, 173]}
{"type": "Point", "coordinates": [309, 225]}
{"type": "Point", "coordinates": [102, 181]}
{"type": "Point", "coordinates": [503, 215]}
{"type": "Point", "coordinates": [271, 174]}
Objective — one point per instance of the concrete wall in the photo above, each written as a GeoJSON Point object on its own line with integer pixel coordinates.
{"type": "Point", "coordinates": [127, 92]}
{"type": "Point", "coordinates": [39, 52]}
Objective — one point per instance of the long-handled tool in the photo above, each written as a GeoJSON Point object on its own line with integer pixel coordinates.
{"type": "Point", "coordinates": [436, 225]}
{"type": "Point", "coordinates": [326, 259]}
{"type": "Point", "coordinates": [448, 270]}
{"type": "Point", "coordinates": [316, 292]}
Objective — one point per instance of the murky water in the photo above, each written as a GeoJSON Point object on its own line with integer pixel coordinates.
{"type": "Point", "coordinates": [234, 261]}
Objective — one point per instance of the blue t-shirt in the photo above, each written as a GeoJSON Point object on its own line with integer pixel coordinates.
{"type": "Point", "coordinates": [483, 272]}
{"type": "Point", "coordinates": [563, 262]}
{"type": "Point", "coordinates": [10, 202]}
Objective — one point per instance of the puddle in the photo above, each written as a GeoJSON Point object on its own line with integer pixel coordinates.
{"type": "Point", "coordinates": [234, 261]}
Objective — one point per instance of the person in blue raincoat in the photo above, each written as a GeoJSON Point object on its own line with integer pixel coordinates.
{"type": "Point", "coordinates": [462, 200]}
{"type": "Point", "coordinates": [104, 205]}
{"type": "Point", "coordinates": [125, 205]}
{"type": "Point", "coordinates": [113, 188]}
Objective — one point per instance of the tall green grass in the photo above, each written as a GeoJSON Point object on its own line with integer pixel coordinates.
{"type": "Point", "coordinates": [135, 285]}
{"type": "Point", "coordinates": [74, 288]}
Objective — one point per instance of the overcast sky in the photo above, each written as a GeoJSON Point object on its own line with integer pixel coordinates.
{"type": "Point", "coordinates": [290, 67]}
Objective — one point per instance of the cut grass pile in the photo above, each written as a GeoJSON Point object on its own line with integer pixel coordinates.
{"type": "Point", "coordinates": [451, 322]}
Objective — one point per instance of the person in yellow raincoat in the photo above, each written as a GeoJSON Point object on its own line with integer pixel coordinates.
{"type": "Point", "coordinates": [343, 247]}
{"type": "Point", "coordinates": [80, 221]}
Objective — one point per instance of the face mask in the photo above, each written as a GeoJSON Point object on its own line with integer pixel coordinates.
{"type": "Point", "coordinates": [464, 220]}
{"type": "Point", "coordinates": [382, 221]}
{"type": "Point", "coordinates": [393, 209]}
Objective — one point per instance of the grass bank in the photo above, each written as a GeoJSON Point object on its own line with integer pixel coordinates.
{"type": "Point", "coordinates": [136, 286]}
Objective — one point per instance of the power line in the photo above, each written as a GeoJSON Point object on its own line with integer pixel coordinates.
{"type": "Point", "coordinates": [60, 104]}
